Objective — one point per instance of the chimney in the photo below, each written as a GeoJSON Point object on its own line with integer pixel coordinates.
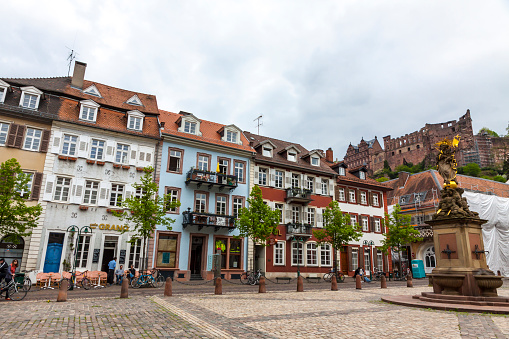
{"type": "Point", "coordinates": [329, 155]}
{"type": "Point", "coordinates": [402, 178]}
{"type": "Point", "coordinates": [78, 75]}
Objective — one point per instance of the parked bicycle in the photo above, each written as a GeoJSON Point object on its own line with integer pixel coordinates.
{"type": "Point", "coordinates": [16, 290]}
{"type": "Point", "coordinates": [152, 278]}
{"type": "Point", "coordinates": [377, 274]}
{"type": "Point", "coordinates": [340, 277]}
{"type": "Point", "coordinates": [251, 278]}
{"type": "Point", "coordinates": [73, 281]}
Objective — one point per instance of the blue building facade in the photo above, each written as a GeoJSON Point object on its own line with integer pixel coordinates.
{"type": "Point", "coordinates": [205, 166]}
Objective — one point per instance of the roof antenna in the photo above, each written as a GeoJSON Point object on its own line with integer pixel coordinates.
{"type": "Point", "coordinates": [258, 123]}
{"type": "Point", "coordinates": [72, 55]}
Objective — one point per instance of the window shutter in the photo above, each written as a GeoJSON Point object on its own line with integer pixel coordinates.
{"type": "Point", "coordinates": [77, 190]}
{"type": "Point", "coordinates": [104, 193]}
{"type": "Point", "coordinates": [132, 158]}
{"type": "Point", "coordinates": [371, 224]}
{"type": "Point", "coordinates": [374, 258]}
{"type": "Point", "coordinates": [288, 179]}
{"type": "Point", "coordinates": [142, 156]}
{"type": "Point", "coordinates": [20, 134]}
{"type": "Point", "coordinates": [129, 190]}
{"type": "Point", "coordinates": [83, 146]}
{"type": "Point", "coordinates": [110, 151]}
{"type": "Point", "coordinates": [11, 138]}
{"type": "Point", "coordinates": [382, 226]}
{"type": "Point", "coordinates": [148, 158]}
{"type": "Point", "coordinates": [36, 186]}
{"type": "Point", "coordinates": [350, 259]}
{"type": "Point", "coordinates": [288, 215]}
{"type": "Point", "coordinates": [318, 185]}
{"type": "Point", "coordinates": [302, 182]}
{"type": "Point", "coordinates": [256, 174]}
{"type": "Point", "coordinates": [48, 192]}
{"type": "Point", "coordinates": [370, 198]}
{"type": "Point", "coordinates": [272, 177]}
{"type": "Point", "coordinates": [331, 187]}
{"type": "Point", "coordinates": [55, 147]}
{"type": "Point", "coordinates": [319, 217]}
{"type": "Point", "coordinates": [357, 196]}
{"type": "Point", "coordinates": [46, 134]}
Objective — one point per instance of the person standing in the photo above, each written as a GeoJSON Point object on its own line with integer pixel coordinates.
{"type": "Point", "coordinates": [5, 273]}
{"type": "Point", "coordinates": [111, 270]}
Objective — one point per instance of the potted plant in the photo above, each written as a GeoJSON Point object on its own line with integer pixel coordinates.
{"type": "Point", "coordinates": [139, 169]}
{"type": "Point", "coordinates": [220, 245]}
{"type": "Point", "coordinates": [66, 266]}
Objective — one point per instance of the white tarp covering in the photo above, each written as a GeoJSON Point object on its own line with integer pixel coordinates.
{"type": "Point", "coordinates": [496, 230]}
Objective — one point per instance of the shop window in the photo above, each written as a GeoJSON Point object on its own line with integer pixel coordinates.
{"type": "Point", "coordinates": [167, 250]}
{"type": "Point", "coordinates": [232, 255]}
{"type": "Point", "coordinates": [134, 254]}
{"type": "Point", "coordinates": [82, 251]}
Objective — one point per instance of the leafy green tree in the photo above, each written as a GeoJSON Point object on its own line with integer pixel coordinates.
{"type": "Point", "coordinates": [471, 169]}
{"type": "Point", "coordinates": [337, 229]}
{"type": "Point", "coordinates": [489, 132]}
{"type": "Point", "coordinates": [399, 231]}
{"type": "Point", "coordinates": [16, 218]}
{"type": "Point", "coordinates": [257, 221]}
{"type": "Point", "coordinates": [382, 179]}
{"type": "Point", "coordinates": [144, 212]}
{"type": "Point", "coordinates": [499, 178]}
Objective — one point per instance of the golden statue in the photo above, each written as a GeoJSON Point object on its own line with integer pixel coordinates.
{"type": "Point", "coordinates": [446, 162]}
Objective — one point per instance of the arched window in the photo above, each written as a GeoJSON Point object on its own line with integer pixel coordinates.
{"type": "Point", "coordinates": [10, 250]}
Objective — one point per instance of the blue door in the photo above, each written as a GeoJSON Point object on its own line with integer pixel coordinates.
{"type": "Point", "coordinates": [53, 255]}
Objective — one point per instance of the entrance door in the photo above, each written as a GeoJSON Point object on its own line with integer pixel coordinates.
{"type": "Point", "coordinates": [53, 252]}
{"type": "Point", "coordinates": [429, 259]}
{"type": "Point", "coordinates": [343, 261]}
{"type": "Point", "coordinates": [260, 258]}
{"type": "Point", "coordinates": [109, 252]}
{"type": "Point", "coordinates": [196, 255]}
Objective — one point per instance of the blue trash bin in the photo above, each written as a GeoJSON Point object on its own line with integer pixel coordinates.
{"type": "Point", "coordinates": [418, 269]}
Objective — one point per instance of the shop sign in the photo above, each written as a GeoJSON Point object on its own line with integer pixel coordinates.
{"type": "Point", "coordinates": [108, 227]}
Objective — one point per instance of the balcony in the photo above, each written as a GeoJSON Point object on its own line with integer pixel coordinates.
{"type": "Point", "coordinates": [425, 232]}
{"type": "Point", "coordinates": [298, 195]}
{"type": "Point", "coordinates": [218, 221]}
{"type": "Point", "coordinates": [299, 230]}
{"type": "Point", "coordinates": [211, 179]}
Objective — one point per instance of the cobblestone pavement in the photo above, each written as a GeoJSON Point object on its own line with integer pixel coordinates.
{"type": "Point", "coordinates": [282, 314]}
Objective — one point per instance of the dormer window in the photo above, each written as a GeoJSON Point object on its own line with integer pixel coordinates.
{"type": "Point", "coordinates": [362, 175]}
{"type": "Point", "coordinates": [230, 133]}
{"type": "Point", "coordinates": [267, 151]}
{"type": "Point", "coordinates": [88, 110]}
{"type": "Point", "coordinates": [135, 120]}
{"type": "Point", "coordinates": [315, 161]}
{"type": "Point", "coordinates": [92, 90]}
{"type": "Point", "coordinates": [190, 127]}
{"type": "Point", "coordinates": [188, 123]}
{"type": "Point", "coordinates": [134, 100]}
{"type": "Point", "coordinates": [231, 136]}
{"type": "Point", "coordinates": [292, 156]}
{"type": "Point", "coordinates": [30, 97]}
{"type": "Point", "coordinates": [341, 171]}
{"type": "Point", "coordinates": [3, 90]}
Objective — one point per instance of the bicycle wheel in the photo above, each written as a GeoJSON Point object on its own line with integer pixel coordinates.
{"type": "Point", "coordinates": [140, 281]}
{"type": "Point", "coordinates": [16, 292]}
{"type": "Point", "coordinates": [85, 283]}
{"type": "Point", "coordinates": [251, 280]}
{"type": "Point", "coordinates": [327, 277]}
{"type": "Point", "coordinates": [340, 277]}
{"type": "Point", "coordinates": [68, 283]}
{"type": "Point", "coordinates": [160, 281]}
{"type": "Point", "coordinates": [27, 284]}
{"type": "Point", "coordinates": [244, 278]}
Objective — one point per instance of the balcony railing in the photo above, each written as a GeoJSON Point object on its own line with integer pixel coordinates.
{"type": "Point", "coordinates": [211, 179]}
{"type": "Point", "coordinates": [298, 229]}
{"type": "Point", "coordinates": [298, 195]}
{"type": "Point", "coordinates": [218, 221]}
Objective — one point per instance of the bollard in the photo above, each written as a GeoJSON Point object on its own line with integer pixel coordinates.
{"type": "Point", "coordinates": [300, 284]}
{"type": "Point", "coordinates": [168, 287]}
{"type": "Point", "coordinates": [409, 282]}
{"type": "Point", "coordinates": [358, 284]}
{"type": "Point", "coordinates": [383, 282]}
{"type": "Point", "coordinates": [62, 291]}
{"type": "Point", "coordinates": [261, 285]}
{"type": "Point", "coordinates": [219, 286]}
{"type": "Point", "coordinates": [334, 283]}
{"type": "Point", "coordinates": [124, 290]}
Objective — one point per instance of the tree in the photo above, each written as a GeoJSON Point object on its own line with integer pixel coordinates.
{"type": "Point", "coordinates": [257, 221]}
{"type": "Point", "coordinates": [471, 169]}
{"type": "Point", "coordinates": [488, 131]}
{"type": "Point", "coordinates": [337, 230]}
{"type": "Point", "coordinates": [399, 231]}
{"type": "Point", "coordinates": [16, 218]}
{"type": "Point", "coordinates": [146, 210]}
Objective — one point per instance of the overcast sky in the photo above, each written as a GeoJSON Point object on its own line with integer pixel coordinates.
{"type": "Point", "coordinates": [322, 73]}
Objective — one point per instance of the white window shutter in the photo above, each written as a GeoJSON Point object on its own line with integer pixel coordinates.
{"type": "Point", "coordinates": [272, 177]}
{"type": "Point", "coordinates": [55, 145]}
{"type": "Point", "coordinates": [256, 174]}
{"type": "Point", "coordinates": [129, 190]}
{"type": "Point", "coordinates": [77, 191]}
{"type": "Point", "coordinates": [83, 146]}
{"type": "Point", "coordinates": [48, 190]}
{"type": "Point", "coordinates": [288, 214]}
{"type": "Point", "coordinates": [331, 187]}
{"type": "Point", "coordinates": [148, 158]}
{"type": "Point", "coordinates": [319, 217]}
{"type": "Point", "coordinates": [302, 182]}
{"type": "Point", "coordinates": [110, 151]}
{"type": "Point", "coordinates": [318, 185]}
{"type": "Point", "coordinates": [288, 179]}
{"type": "Point", "coordinates": [132, 156]}
{"type": "Point", "coordinates": [104, 193]}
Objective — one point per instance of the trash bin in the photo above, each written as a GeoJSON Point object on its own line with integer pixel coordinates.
{"type": "Point", "coordinates": [418, 269]}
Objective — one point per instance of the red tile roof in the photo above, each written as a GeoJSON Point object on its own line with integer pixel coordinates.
{"type": "Point", "coordinates": [210, 131]}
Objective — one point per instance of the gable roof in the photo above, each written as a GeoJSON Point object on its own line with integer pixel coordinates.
{"type": "Point", "coordinates": [350, 178]}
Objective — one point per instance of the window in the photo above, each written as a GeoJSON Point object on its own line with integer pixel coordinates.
{"type": "Point", "coordinates": [279, 179]}
{"type": "Point", "coordinates": [325, 255]}
{"type": "Point", "coordinates": [365, 225]}
{"type": "Point", "coordinates": [134, 100]}
{"type": "Point", "coordinates": [325, 187]}
{"type": "Point", "coordinates": [379, 260]}
{"type": "Point", "coordinates": [4, 130]}
{"type": "Point", "coordinates": [341, 193]}
{"type": "Point", "coordinates": [82, 251]}
{"type": "Point", "coordinates": [239, 168]}
{"type": "Point", "coordinates": [367, 260]}
{"type": "Point", "coordinates": [310, 184]}
{"type": "Point", "coordinates": [297, 253]}
{"type": "Point", "coordinates": [29, 100]}
{"type": "Point", "coordinates": [279, 253]}
{"type": "Point", "coordinates": [117, 191]}
{"type": "Point", "coordinates": [341, 171]}
{"type": "Point", "coordinates": [267, 151]}
{"type": "Point", "coordinates": [200, 204]}
{"type": "Point", "coordinates": [69, 145]}
{"type": "Point", "coordinates": [203, 162]}
{"type": "Point", "coordinates": [231, 136]}
{"type": "Point", "coordinates": [3, 90]}
{"type": "Point", "coordinates": [91, 191]}
{"type": "Point", "coordinates": [62, 187]}
{"type": "Point", "coordinates": [26, 193]}
{"type": "Point", "coordinates": [311, 216]}
{"type": "Point", "coordinates": [262, 176]}
{"type": "Point", "coordinates": [355, 258]}
{"type": "Point", "coordinates": [173, 195]}
{"type": "Point", "coordinates": [189, 127]}
{"type": "Point", "coordinates": [88, 110]}
{"type": "Point", "coordinates": [279, 207]}
{"type": "Point", "coordinates": [353, 219]}
{"type": "Point", "coordinates": [238, 204]}
{"type": "Point", "coordinates": [364, 201]}
{"type": "Point", "coordinates": [32, 139]}
{"type": "Point", "coordinates": [224, 166]}
{"type": "Point", "coordinates": [375, 199]}
{"type": "Point", "coordinates": [134, 123]}
{"type": "Point", "coordinates": [234, 253]}
{"type": "Point", "coordinates": [221, 204]}
{"type": "Point", "coordinates": [315, 161]}
{"type": "Point", "coordinates": [175, 161]}
{"type": "Point", "coordinates": [362, 175]}
{"type": "Point", "coordinates": [134, 254]}
{"type": "Point", "coordinates": [97, 149]}
{"type": "Point", "coordinates": [378, 226]}
{"type": "Point", "coordinates": [292, 156]}
{"type": "Point", "coordinates": [122, 152]}
{"type": "Point", "coordinates": [167, 251]}
{"type": "Point", "coordinates": [311, 255]}
{"type": "Point", "coordinates": [139, 193]}
{"type": "Point", "coordinates": [295, 180]}
{"type": "Point", "coordinates": [352, 196]}
{"type": "Point", "coordinates": [296, 214]}
{"type": "Point", "coordinates": [92, 90]}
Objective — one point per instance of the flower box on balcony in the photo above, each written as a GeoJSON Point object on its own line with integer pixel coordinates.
{"type": "Point", "coordinates": [100, 163]}
{"type": "Point", "coordinates": [83, 208]}
{"type": "Point", "coordinates": [62, 157]}
{"type": "Point", "coordinates": [126, 167]}
{"type": "Point", "coordinates": [111, 210]}
{"type": "Point", "coordinates": [117, 165]}
{"type": "Point", "coordinates": [72, 159]}
{"type": "Point", "coordinates": [139, 169]}
{"type": "Point", "coordinates": [91, 162]}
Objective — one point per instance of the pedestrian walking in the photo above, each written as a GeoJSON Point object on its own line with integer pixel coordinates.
{"type": "Point", "coordinates": [111, 270]}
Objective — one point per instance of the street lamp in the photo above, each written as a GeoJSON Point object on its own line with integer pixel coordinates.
{"type": "Point", "coordinates": [73, 229]}
{"type": "Point", "coordinates": [369, 243]}
{"type": "Point", "coordinates": [299, 240]}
